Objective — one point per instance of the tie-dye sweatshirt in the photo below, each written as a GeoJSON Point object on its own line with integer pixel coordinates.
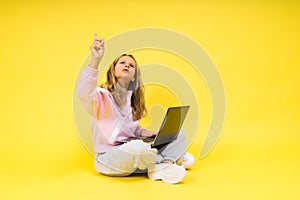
{"type": "Point", "coordinates": [110, 125]}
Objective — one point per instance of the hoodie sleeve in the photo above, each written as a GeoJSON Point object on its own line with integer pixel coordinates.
{"type": "Point", "coordinates": [87, 90]}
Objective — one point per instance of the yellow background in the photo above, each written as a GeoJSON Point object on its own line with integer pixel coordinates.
{"type": "Point", "coordinates": [255, 46]}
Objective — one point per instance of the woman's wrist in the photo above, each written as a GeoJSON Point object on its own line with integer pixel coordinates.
{"type": "Point", "coordinates": [141, 133]}
{"type": "Point", "coordinates": [95, 62]}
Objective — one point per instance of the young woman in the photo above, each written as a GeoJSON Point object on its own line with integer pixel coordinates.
{"type": "Point", "coordinates": [115, 109]}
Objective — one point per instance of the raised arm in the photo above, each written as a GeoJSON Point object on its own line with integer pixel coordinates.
{"type": "Point", "coordinates": [87, 84]}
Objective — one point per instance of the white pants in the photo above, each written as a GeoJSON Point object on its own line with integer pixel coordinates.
{"type": "Point", "coordinates": [136, 156]}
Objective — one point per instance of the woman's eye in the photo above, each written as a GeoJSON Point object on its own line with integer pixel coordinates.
{"type": "Point", "coordinates": [131, 65]}
{"type": "Point", "coordinates": [122, 62]}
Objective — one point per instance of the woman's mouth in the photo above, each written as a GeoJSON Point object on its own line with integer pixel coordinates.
{"type": "Point", "coordinates": [125, 70]}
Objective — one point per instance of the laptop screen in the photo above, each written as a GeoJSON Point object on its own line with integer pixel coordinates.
{"type": "Point", "coordinates": [171, 124]}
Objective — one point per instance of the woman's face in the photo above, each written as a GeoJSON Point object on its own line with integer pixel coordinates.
{"type": "Point", "coordinates": [125, 68]}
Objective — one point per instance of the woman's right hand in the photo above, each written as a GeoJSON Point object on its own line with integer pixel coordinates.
{"type": "Point", "coordinates": [97, 48]}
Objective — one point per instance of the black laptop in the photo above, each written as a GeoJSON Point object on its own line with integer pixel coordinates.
{"type": "Point", "coordinates": [169, 128]}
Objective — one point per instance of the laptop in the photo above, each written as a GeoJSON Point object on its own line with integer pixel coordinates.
{"type": "Point", "coordinates": [169, 128]}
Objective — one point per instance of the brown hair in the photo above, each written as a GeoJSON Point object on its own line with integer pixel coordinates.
{"type": "Point", "coordinates": [137, 98]}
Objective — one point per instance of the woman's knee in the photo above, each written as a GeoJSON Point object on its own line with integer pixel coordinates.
{"type": "Point", "coordinates": [181, 137]}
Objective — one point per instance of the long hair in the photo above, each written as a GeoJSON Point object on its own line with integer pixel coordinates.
{"type": "Point", "coordinates": [137, 98]}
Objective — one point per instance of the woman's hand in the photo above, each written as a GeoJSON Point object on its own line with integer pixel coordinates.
{"type": "Point", "coordinates": [97, 49]}
{"type": "Point", "coordinates": [146, 133]}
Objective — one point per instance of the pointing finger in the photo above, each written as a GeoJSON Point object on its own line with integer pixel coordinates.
{"type": "Point", "coordinates": [96, 38]}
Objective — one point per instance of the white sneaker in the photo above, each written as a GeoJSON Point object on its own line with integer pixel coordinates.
{"type": "Point", "coordinates": [186, 161]}
{"type": "Point", "coordinates": [167, 172]}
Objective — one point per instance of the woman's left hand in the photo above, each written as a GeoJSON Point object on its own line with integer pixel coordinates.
{"type": "Point", "coordinates": [146, 133]}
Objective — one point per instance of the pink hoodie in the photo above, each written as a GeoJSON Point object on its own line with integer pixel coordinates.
{"type": "Point", "coordinates": [110, 124]}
